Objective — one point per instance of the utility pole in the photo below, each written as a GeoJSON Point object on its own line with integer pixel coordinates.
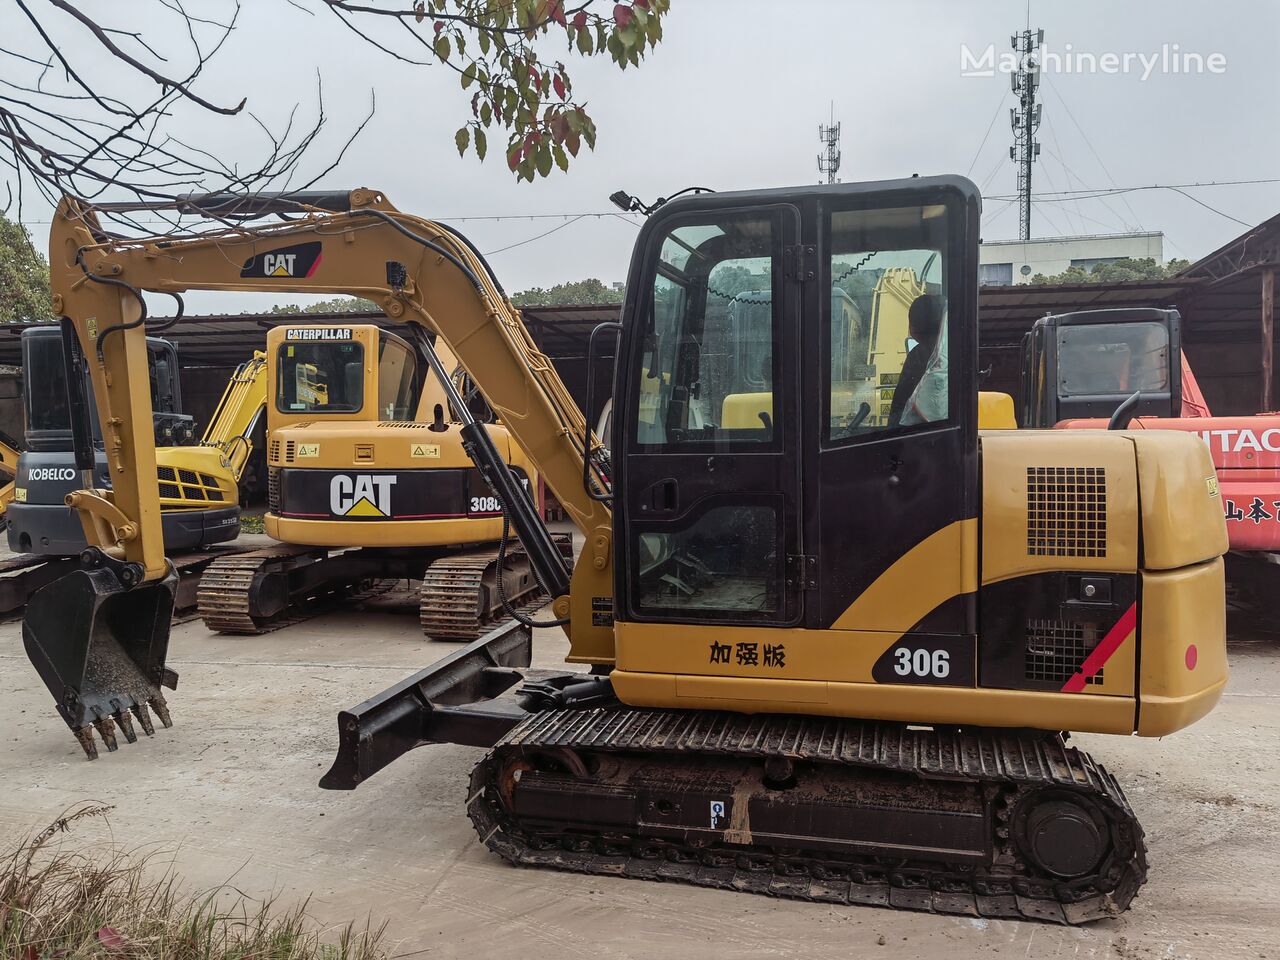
{"type": "Point", "coordinates": [829, 137]}
{"type": "Point", "coordinates": [1025, 119]}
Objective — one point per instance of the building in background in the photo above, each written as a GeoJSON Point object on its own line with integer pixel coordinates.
{"type": "Point", "coordinates": [1007, 262]}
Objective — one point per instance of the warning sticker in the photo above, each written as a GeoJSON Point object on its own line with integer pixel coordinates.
{"type": "Point", "coordinates": [425, 451]}
{"type": "Point", "coordinates": [308, 450]}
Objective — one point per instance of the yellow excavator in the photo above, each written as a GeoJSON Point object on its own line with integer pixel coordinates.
{"type": "Point", "coordinates": [829, 658]}
{"type": "Point", "coordinates": [367, 481]}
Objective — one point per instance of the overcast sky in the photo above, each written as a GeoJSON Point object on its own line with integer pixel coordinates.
{"type": "Point", "coordinates": [733, 96]}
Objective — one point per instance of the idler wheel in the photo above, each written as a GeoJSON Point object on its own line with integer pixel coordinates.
{"type": "Point", "coordinates": [1063, 837]}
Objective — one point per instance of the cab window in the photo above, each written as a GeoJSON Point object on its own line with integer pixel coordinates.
{"type": "Point", "coordinates": [397, 380]}
{"type": "Point", "coordinates": [709, 347]}
{"type": "Point", "coordinates": [887, 331]}
{"type": "Point", "coordinates": [320, 378]}
{"type": "Point", "coordinates": [1104, 359]}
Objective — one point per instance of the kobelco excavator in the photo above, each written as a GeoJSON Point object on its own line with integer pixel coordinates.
{"type": "Point", "coordinates": [831, 657]}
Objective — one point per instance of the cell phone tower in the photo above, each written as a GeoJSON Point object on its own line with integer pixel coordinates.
{"type": "Point", "coordinates": [1025, 119]}
{"type": "Point", "coordinates": [829, 160]}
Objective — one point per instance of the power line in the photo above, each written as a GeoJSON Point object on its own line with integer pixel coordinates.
{"type": "Point", "coordinates": [1090, 193]}
{"type": "Point", "coordinates": [990, 126]}
{"type": "Point", "coordinates": [521, 243]}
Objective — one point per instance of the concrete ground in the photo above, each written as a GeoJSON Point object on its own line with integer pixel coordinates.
{"type": "Point", "coordinates": [231, 792]}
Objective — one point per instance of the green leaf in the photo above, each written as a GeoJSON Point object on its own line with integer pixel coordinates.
{"type": "Point", "coordinates": [468, 74]}
{"type": "Point", "coordinates": [442, 47]}
{"type": "Point", "coordinates": [486, 113]}
{"type": "Point", "coordinates": [562, 160]}
{"type": "Point", "coordinates": [482, 144]}
{"type": "Point", "coordinates": [461, 139]}
{"type": "Point", "coordinates": [544, 159]}
{"type": "Point", "coordinates": [584, 42]}
{"type": "Point", "coordinates": [484, 42]}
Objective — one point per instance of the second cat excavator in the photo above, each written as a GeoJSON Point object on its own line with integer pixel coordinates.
{"type": "Point", "coordinates": [368, 481]}
{"type": "Point", "coordinates": [831, 656]}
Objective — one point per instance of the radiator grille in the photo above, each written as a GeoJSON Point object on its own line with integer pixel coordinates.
{"type": "Point", "coordinates": [187, 488]}
{"type": "Point", "coordinates": [405, 424]}
{"type": "Point", "coordinates": [274, 452]}
{"type": "Point", "coordinates": [273, 489]}
{"type": "Point", "coordinates": [1056, 649]}
{"type": "Point", "coordinates": [1066, 511]}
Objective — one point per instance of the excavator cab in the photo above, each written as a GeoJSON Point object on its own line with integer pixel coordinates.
{"type": "Point", "coordinates": [1084, 364]}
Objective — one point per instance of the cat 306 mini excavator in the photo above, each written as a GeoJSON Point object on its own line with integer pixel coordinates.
{"type": "Point", "coordinates": [830, 658]}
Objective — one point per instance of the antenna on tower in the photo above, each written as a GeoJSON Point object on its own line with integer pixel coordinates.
{"type": "Point", "coordinates": [1025, 119]}
{"type": "Point", "coordinates": [829, 137]}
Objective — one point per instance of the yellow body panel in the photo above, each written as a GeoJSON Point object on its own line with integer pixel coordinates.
{"type": "Point", "coordinates": [1181, 508]}
{"type": "Point", "coordinates": [1006, 458]}
{"type": "Point", "coordinates": [943, 566]}
{"type": "Point", "coordinates": [906, 703]}
{"type": "Point", "coordinates": [1184, 674]}
{"type": "Point", "coordinates": [995, 411]}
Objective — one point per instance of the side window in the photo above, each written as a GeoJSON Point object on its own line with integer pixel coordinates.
{"type": "Point", "coordinates": [709, 364]}
{"type": "Point", "coordinates": [887, 337]}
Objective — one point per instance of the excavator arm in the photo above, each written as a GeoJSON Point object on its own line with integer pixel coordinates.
{"type": "Point", "coordinates": [350, 243]}
{"type": "Point", "coordinates": [238, 413]}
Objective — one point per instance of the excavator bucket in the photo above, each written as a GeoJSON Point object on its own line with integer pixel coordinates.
{"type": "Point", "coordinates": [100, 647]}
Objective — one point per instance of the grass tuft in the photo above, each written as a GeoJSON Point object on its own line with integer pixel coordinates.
{"type": "Point", "coordinates": [61, 903]}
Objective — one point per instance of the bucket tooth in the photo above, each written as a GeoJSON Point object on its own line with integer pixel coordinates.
{"type": "Point", "coordinates": [125, 723]}
{"type": "Point", "coordinates": [100, 644]}
{"type": "Point", "coordinates": [107, 731]}
{"type": "Point", "coordinates": [85, 736]}
{"type": "Point", "coordinates": [144, 718]}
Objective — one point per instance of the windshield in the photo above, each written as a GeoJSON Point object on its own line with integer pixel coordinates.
{"type": "Point", "coordinates": [1107, 359]}
{"type": "Point", "coordinates": [321, 378]}
{"type": "Point", "coordinates": [46, 384]}
{"type": "Point", "coordinates": [397, 380]}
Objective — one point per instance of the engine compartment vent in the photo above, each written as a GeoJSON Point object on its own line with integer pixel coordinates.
{"type": "Point", "coordinates": [1056, 648]}
{"type": "Point", "coordinates": [1066, 511]}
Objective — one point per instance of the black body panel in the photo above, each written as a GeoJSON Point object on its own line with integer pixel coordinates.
{"type": "Point", "coordinates": [1038, 629]}
{"type": "Point", "coordinates": [301, 493]}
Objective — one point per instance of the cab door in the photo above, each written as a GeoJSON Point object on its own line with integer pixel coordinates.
{"type": "Point", "coordinates": [893, 483]}
{"type": "Point", "coordinates": [707, 497]}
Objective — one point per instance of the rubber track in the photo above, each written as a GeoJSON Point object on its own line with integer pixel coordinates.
{"type": "Point", "coordinates": [1014, 762]}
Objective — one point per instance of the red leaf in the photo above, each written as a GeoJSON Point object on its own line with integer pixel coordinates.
{"type": "Point", "coordinates": [622, 15]}
{"type": "Point", "coordinates": [580, 20]}
{"type": "Point", "coordinates": [643, 4]}
{"type": "Point", "coordinates": [112, 941]}
{"type": "Point", "coordinates": [559, 85]}
{"type": "Point", "coordinates": [514, 156]}
{"type": "Point", "coordinates": [439, 25]}
{"type": "Point", "coordinates": [475, 104]}
{"type": "Point", "coordinates": [556, 13]}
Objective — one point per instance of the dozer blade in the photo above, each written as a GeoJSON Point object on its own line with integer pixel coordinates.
{"type": "Point", "coordinates": [100, 648]}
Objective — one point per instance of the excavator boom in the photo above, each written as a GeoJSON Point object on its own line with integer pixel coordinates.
{"type": "Point", "coordinates": [353, 243]}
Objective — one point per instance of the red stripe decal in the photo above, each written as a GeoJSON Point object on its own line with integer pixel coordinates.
{"type": "Point", "coordinates": [1094, 662]}
{"type": "Point", "coordinates": [314, 265]}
